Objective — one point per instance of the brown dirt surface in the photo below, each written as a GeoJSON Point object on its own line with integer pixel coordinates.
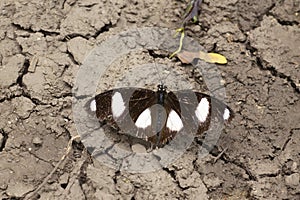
{"type": "Point", "coordinates": [43, 44]}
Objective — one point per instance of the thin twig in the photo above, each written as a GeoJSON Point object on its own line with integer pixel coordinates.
{"type": "Point", "coordinates": [220, 154]}
{"type": "Point", "coordinates": [69, 147]}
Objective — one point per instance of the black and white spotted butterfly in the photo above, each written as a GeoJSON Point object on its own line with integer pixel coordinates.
{"type": "Point", "coordinates": [157, 116]}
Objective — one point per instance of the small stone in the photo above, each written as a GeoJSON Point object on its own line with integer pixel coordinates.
{"type": "Point", "coordinates": [33, 64]}
{"type": "Point", "coordinates": [212, 181]}
{"type": "Point", "coordinates": [64, 179]}
{"type": "Point", "coordinates": [24, 106]}
{"type": "Point", "coordinates": [292, 180]}
{"type": "Point", "coordinates": [37, 141]}
{"type": "Point", "coordinates": [79, 47]}
{"type": "Point", "coordinates": [3, 186]}
{"type": "Point", "coordinates": [293, 168]}
{"type": "Point", "coordinates": [138, 148]}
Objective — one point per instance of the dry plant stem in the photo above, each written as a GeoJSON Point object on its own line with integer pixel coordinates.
{"type": "Point", "coordinates": [69, 147]}
{"type": "Point", "coordinates": [181, 30]}
{"type": "Point", "coordinates": [220, 154]}
{"type": "Point", "coordinates": [74, 175]}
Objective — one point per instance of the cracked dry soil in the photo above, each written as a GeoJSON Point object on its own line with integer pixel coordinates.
{"type": "Point", "coordinates": [43, 43]}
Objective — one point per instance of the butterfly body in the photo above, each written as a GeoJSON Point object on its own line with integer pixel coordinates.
{"type": "Point", "coordinates": [157, 116]}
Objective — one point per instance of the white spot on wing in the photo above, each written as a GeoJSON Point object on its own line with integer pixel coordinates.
{"type": "Point", "coordinates": [117, 105]}
{"type": "Point", "coordinates": [144, 120]}
{"type": "Point", "coordinates": [202, 110]}
{"type": "Point", "coordinates": [93, 106]}
{"type": "Point", "coordinates": [174, 122]}
{"type": "Point", "coordinates": [226, 114]}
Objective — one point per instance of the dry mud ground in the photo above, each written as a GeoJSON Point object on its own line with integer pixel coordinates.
{"type": "Point", "coordinates": [43, 43]}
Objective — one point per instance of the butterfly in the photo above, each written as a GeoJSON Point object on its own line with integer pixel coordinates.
{"type": "Point", "coordinates": [157, 116]}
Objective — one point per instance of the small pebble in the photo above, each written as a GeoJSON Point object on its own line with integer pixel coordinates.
{"type": "Point", "coordinates": [37, 141]}
{"type": "Point", "coordinates": [3, 186]}
{"type": "Point", "coordinates": [294, 167]}
{"type": "Point", "coordinates": [138, 148]}
{"type": "Point", "coordinates": [292, 180]}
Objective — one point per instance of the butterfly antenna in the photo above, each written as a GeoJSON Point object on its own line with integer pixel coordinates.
{"type": "Point", "coordinates": [168, 75]}
{"type": "Point", "coordinates": [160, 78]}
{"type": "Point", "coordinates": [162, 82]}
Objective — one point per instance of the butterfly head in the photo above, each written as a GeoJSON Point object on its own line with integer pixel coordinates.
{"type": "Point", "coordinates": [161, 88]}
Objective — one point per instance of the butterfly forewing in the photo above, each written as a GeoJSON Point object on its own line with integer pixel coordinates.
{"type": "Point", "coordinates": [141, 100]}
{"type": "Point", "coordinates": [122, 107]}
{"type": "Point", "coordinates": [102, 106]}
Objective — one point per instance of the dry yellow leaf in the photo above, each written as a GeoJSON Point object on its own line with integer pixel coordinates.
{"type": "Point", "coordinates": [213, 58]}
{"type": "Point", "coordinates": [188, 57]}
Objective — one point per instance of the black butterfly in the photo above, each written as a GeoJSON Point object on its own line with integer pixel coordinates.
{"type": "Point", "coordinates": [157, 116]}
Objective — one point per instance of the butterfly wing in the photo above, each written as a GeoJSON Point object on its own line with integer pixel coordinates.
{"type": "Point", "coordinates": [135, 111]}
{"type": "Point", "coordinates": [121, 108]}
{"type": "Point", "coordinates": [197, 109]}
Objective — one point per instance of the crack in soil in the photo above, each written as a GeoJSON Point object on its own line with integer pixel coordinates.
{"type": "Point", "coordinates": [4, 139]}
{"type": "Point", "coordinates": [154, 55]}
{"type": "Point", "coordinates": [254, 50]}
{"type": "Point", "coordinates": [239, 164]}
{"type": "Point", "coordinates": [172, 173]}
{"type": "Point", "coordinates": [244, 167]}
{"type": "Point", "coordinates": [42, 159]}
{"type": "Point", "coordinates": [74, 35]}
{"type": "Point", "coordinates": [266, 13]}
{"type": "Point", "coordinates": [63, 95]}
{"type": "Point", "coordinates": [66, 67]}
{"type": "Point", "coordinates": [29, 30]}
{"type": "Point", "coordinates": [23, 72]}
{"type": "Point", "coordinates": [285, 22]}
{"type": "Point", "coordinates": [271, 175]}
{"type": "Point", "coordinates": [104, 29]}
{"type": "Point", "coordinates": [271, 69]}
{"type": "Point", "coordinates": [275, 73]}
{"type": "Point", "coordinates": [288, 139]}
{"type": "Point", "coordinates": [71, 56]}
{"type": "Point", "coordinates": [63, 4]}
{"type": "Point", "coordinates": [117, 174]}
{"type": "Point", "coordinates": [33, 100]}
{"type": "Point", "coordinates": [24, 93]}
